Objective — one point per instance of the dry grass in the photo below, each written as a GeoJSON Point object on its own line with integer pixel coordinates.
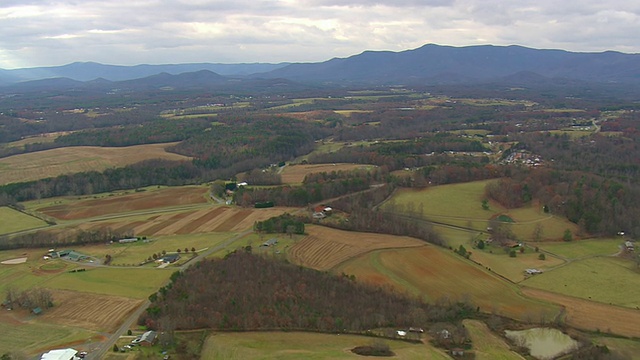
{"type": "Point", "coordinates": [68, 160]}
{"type": "Point", "coordinates": [591, 315]}
{"type": "Point", "coordinates": [433, 273]}
{"type": "Point", "coordinates": [89, 311]}
{"type": "Point", "coordinates": [325, 248]}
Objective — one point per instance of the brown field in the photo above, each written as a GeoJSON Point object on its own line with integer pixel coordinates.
{"type": "Point", "coordinates": [89, 311]}
{"type": "Point", "coordinates": [433, 273]}
{"type": "Point", "coordinates": [209, 219]}
{"type": "Point", "coordinates": [325, 248]}
{"type": "Point", "coordinates": [90, 207]}
{"type": "Point", "coordinates": [68, 160]}
{"type": "Point", "coordinates": [294, 174]}
{"type": "Point", "coordinates": [592, 315]}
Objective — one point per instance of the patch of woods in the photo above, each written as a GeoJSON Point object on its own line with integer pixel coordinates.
{"type": "Point", "coordinates": [315, 188]}
{"type": "Point", "coordinates": [240, 145]}
{"type": "Point", "coordinates": [245, 291]}
{"type": "Point", "coordinates": [285, 224]}
{"type": "Point", "coordinates": [36, 298]}
{"type": "Point", "coordinates": [47, 239]}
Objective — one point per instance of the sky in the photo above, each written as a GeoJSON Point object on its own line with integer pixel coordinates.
{"type": "Point", "coordinates": [128, 32]}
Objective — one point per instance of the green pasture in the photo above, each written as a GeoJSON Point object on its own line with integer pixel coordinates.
{"type": "Point", "coordinates": [573, 134]}
{"type": "Point", "coordinates": [134, 253]}
{"type": "Point", "coordinates": [301, 345]}
{"type": "Point", "coordinates": [608, 280]}
{"type": "Point", "coordinates": [461, 205]}
{"type": "Point", "coordinates": [36, 337]}
{"type": "Point", "coordinates": [487, 345]}
{"type": "Point", "coordinates": [137, 283]}
{"type": "Point", "coordinates": [13, 221]}
{"type": "Point", "coordinates": [583, 248]}
{"type": "Point", "coordinates": [348, 113]}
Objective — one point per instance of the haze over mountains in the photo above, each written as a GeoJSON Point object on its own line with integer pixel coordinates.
{"type": "Point", "coordinates": [428, 65]}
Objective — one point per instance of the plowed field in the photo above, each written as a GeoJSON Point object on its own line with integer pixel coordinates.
{"type": "Point", "coordinates": [146, 200]}
{"type": "Point", "coordinates": [89, 311]}
{"type": "Point", "coordinates": [324, 248]}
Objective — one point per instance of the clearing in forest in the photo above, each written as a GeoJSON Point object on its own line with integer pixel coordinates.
{"type": "Point", "coordinates": [294, 174]}
{"type": "Point", "coordinates": [74, 159]}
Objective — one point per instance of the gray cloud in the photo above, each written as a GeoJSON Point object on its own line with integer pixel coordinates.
{"type": "Point", "coordinates": [36, 33]}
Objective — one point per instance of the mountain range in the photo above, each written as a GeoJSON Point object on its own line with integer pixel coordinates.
{"type": "Point", "coordinates": [428, 65]}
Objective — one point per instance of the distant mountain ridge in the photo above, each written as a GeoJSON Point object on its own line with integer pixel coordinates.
{"type": "Point", "coordinates": [428, 65]}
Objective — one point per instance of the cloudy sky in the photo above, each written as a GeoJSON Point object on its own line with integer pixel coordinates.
{"type": "Point", "coordinates": [126, 32]}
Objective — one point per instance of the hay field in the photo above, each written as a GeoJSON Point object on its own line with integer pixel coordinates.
{"type": "Point", "coordinates": [14, 221]}
{"type": "Point", "coordinates": [89, 311]}
{"type": "Point", "coordinates": [74, 159]}
{"type": "Point", "coordinates": [433, 273]}
{"type": "Point", "coordinates": [324, 248]}
{"type": "Point", "coordinates": [294, 174]}
{"type": "Point", "coordinates": [486, 344]}
{"type": "Point", "coordinates": [583, 248]}
{"type": "Point", "coordinates": [609, 280]}
{"type": "Point", "coordinates": [89, 207]}
{"type": "Point", "coordinates": [591, 315]}
{"type": "Point", "coordinates": [301, 345]}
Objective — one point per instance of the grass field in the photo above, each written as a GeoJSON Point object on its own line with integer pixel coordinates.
{"type": "Point", "coordinates": [627, 347]}
{"type": "Point", "coordinates": [608, 280]}
{"type": "Point", "coordinates": [32, 337]}
{"type": "Point", "coordinates": [54, 162]}
{"type": "Point", "coordinates": [294, 174]}
{"type": "Point", "coordinates": [134, 253]}
{"type": "Point", "coordinates": [583, 248]}
{"type": "Point", "coordinates": [131, 283]}
{"type": "Point", "coordinates": [486, 345]}
{"type": "Point", "coordinates": [461, 205]}
{"type": "Point", "coordinates": [299, 345]}
{"type": "Point", "coordinates": [13, 221]}
{"type": "Point", "coordinates": [432, 273]}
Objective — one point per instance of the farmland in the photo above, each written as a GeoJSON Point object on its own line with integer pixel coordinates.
{"type": "Point", "coordinates": [598, 279]}
{"type": "Point", "coordinates": [460, 205]}
{"type": "Point", "coordinates": [54, 162]}
{"type": "Point", "coordinates": [488, 346]}
{"type": "Point", "coordinates": [434, 273]}
{"type": "Point", "coordinates": [14, 221]}
{"type": "Point", "coordinates": [592, 315]}
{"type": "Point", "coordinates": [73, 208]}
{"type": "Point", "coordinates": [296, 345]}
{"type": "Point", "coordinates": [325, 248]}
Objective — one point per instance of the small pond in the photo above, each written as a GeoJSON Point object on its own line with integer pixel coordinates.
{"type": "Point", "coordinates": [543, 343]}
